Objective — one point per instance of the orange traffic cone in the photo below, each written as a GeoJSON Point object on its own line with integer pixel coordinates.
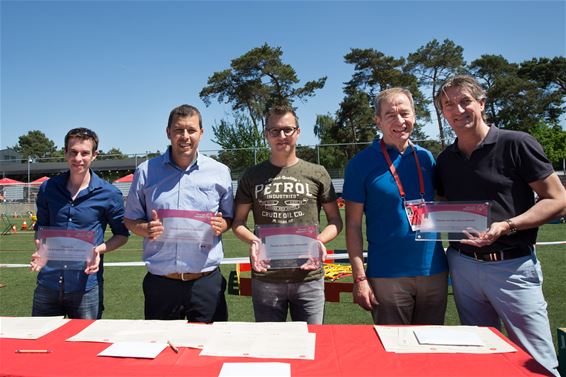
{"type": "Point", "coordinates": [14, 229]}
{"type": "Point", "coordinates": [24, 225]}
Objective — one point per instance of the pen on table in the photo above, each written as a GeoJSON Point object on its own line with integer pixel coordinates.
{"type": "Point", "coordinates": [175, 349]}
{"type": "Point", "coordinates": [33, 351]}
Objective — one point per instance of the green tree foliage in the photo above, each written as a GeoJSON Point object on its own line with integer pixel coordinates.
{"type": "Point", "coordinates": [242, 144]}
{"type": "Point", "coordinates": [112, 154]}
{"type": "Point", "coordinates": [517, 101]}
{"type": "Point", "coordinates": [552, 139]}
{"type": "Point", "coordinates": [375, 72]}
{"type": "Point", "coordinates": [432, 64]}
{"type": "Point", "coordinates": [254, 83]}
{"type": "Point", "coordinates": [35, 144]}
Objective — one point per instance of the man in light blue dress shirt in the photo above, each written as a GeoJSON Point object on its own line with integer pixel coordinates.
{"type": "Point", "coordinates": [183, 281]}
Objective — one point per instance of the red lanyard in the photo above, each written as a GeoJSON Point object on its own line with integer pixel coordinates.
{"type": "Point", "coordinates": [394, 171]}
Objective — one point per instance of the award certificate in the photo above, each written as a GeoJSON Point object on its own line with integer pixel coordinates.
{"type": "Point", "coordinates": [452, 221]}
{"type": "Point", "coordinates": [288, 246]}
{"type": "Point", "coordinates": [72, 249]}
{"type": "Point", "coordinates": [191, 228]}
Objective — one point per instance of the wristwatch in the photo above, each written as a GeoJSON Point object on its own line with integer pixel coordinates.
{"type": "Point", "coordinates": [512, 227]}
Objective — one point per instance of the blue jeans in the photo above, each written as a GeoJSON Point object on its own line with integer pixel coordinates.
{"type": "Point", "coordinates": [509, 291]}
{"type": "Point", "coordinates": [83, 305]}
{"type": "Point", "coordinates": [304, 300]}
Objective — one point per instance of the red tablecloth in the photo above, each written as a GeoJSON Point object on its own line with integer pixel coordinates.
{"type": "Point", "coordinates": [341, 350]}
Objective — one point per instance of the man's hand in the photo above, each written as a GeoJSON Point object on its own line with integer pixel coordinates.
{"type": "Point", "coordinates": [154, 227]}
{"type": "Point", "coordinates": [94, 264]}
{"type": "Point", "coordinates": [481, 239]}
{"type": "Point", "coordinates": [257, 264]}
{"type": "Point", "coordinates": [315, 263]}
{"type": "Point", "coordinates": [218, 223]}
{"type": "Point", "coordinates": [37, 261]}
{"type": "Point", "coordinates": [363, 295]}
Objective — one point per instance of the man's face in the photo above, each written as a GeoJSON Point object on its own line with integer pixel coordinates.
{"type": "Point", "coordinates": [396, 119]}
{"type": "Point", "coordinates": [282, 132]}
{"type": "Point", "coordinates": [79, 155]}
{"type": "Point", "coordinates": [461, 109]}
{"type": "Point", "coordinates": [185, 134]}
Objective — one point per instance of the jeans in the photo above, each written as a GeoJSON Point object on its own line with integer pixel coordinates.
{"type": "Point", "coordinates": [83, 305]}
{"type": "Point", "coordinates": [304, 300]}
{"type": "Point", "coordinates": [509, 291]}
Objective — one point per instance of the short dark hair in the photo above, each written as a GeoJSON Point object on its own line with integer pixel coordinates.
{"type": "Point", "coordinates": [281, 110]}
{"type": "Point", "coordinates": [182, 112]}
{"type": "Point", "coordinates": [83, 134]}
{"type": "Point", "coordinates": [460, 81]}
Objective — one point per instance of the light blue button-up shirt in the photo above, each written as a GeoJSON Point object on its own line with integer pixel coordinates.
{"type": "Point", "coordinates": [159, 183]}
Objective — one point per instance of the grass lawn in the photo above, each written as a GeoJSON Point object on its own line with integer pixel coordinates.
{"type": "Point", "coordinates": [124, 297]}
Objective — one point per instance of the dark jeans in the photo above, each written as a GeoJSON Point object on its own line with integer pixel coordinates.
{"type": "Point", "coordinates": [83, 305]}
{"type": "Point", "coordinates": [200, 300]}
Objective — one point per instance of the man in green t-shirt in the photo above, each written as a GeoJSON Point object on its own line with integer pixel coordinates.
{"type": "Point", "coordinates": [286, 190]}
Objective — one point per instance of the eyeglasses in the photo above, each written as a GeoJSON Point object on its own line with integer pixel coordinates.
{"type": "Point", "coordinates": [287, 131]}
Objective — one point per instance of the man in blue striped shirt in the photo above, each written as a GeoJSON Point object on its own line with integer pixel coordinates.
{"type": "Point", "coordinates": [183, 279]}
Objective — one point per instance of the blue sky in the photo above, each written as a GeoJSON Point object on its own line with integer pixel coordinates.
{"type": "Point", "coordinates": [119, 67]}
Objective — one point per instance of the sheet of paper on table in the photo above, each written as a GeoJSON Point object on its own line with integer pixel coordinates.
{"type": "Point", "coordinates": [300, 347]}
{"type": "Point", "coordinates": [402, 339]}
{"type": "Point", "coordinates": [178, 332]}
{"type": "Point", "coordinates": [284, 340]}
{"type": "Point", "coordinates": [139, 350]}
{"type": "Point", "coordinates": [29, 327]}
{"type": "Point", "coordinates": [255, 370]}
{"type": "Point", "coordinates": [446, 336]}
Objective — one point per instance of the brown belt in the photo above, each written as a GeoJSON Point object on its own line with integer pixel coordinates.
{"type": "Point", "coordinates": [187, 276]}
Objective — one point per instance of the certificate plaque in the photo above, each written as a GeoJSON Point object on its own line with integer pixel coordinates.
{"type": "Point", "coordinates": [452, 221]}
{"type": "Point", "coordinates": [191, 228]}
{"type": "Point", "coordinates": [66, 248]}
{"type": "Point", "coordinates": [288, 246]}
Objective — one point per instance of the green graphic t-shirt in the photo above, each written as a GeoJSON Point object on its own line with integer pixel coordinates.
{"type": "Point", "coordinates": [286, 195]}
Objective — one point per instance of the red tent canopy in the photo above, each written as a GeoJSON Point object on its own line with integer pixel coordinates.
{"type": "Point", "coordinates": [125, 179]}
{"type": "Point", "coordinates": [39, 181]}
{"type": "Point", "coordinates": [9, 181]}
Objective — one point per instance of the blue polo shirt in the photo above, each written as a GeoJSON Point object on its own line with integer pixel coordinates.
{"type": "Point", "coordinates": [392, 249]}
{"type": "Point", "coordinates": [95, 207]}
{"type": "Point", "coordinates": [159, 183]}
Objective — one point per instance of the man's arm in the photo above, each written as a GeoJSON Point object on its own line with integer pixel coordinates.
{"type": "Point", "coordinates": [242, 232]}
{"type": "Point", "coordinates": [334, 220]}
{"type": "Point", "coordinates": [551, 204]}
{"type": "Point", "coordinates": [362, 292]}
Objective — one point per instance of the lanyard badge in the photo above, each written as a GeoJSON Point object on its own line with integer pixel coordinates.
{"type": "Point", "coordinates": [414, 209]}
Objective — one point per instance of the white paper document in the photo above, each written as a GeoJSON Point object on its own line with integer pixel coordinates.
{"type": "Point", "coordinates": [283, 340]}
{"type": "Point", "coordinates": [29, 327]}
{"type": "Point", "coordinates": [141, 350]}
{"type": "Point", "coordinates": [255, 370]}
{"type": "Point", "coordinates": [178, 332]}
{"type": "Point", "coordinates": [300, 347]}
{"type": "Point", "coordinates": [443, 339]}
{"type": "Point", "coordinates": [447, 336]}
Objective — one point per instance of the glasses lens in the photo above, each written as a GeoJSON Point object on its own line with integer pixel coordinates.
{"type": "Point", "coordinates": [288, 131]}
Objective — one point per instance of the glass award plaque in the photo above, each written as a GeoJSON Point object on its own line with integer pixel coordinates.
{"type": "Point", "coordinates": [452, 221]}
{"type": "Point", "coordinates": [288, 246]}
{"type": "Point", "coordinates": [65, 248]}
{"type": "Point", "coordinates": [187, 227]}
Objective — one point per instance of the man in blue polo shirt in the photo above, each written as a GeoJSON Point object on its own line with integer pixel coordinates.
{"type": "Point", "coordinates": [406, 280]}
{"type": "Point", "coordinates": [77, 200]}
{"type": "Point", "coordinates": [183, 281]}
